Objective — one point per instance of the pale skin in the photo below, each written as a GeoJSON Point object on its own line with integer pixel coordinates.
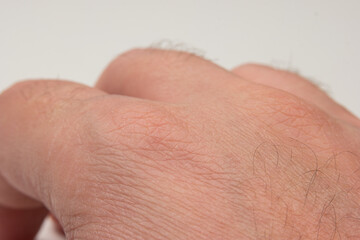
{"type": "Point", "coordinates": [168, 145]}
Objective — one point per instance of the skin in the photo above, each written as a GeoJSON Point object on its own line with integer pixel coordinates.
{"type": "Point", "coordinates": [171, 146]}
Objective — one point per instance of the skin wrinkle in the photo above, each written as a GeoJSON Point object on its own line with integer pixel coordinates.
{"type": "Point", "coordinates": [277, 153]}
{"type": "Point", "coordinates": [206, 178]}
{"type": "Point", "coordinates": [249, 162]}
{"type": "Point", "coordinates": [148, 212]}
{"type": "Point", "coordinates": [167, 140]}
{"type": "Point", "coordinates": [135, 187]}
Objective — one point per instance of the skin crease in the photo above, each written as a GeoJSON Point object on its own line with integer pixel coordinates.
{"type": "Point", "coordinates": [171, 146]}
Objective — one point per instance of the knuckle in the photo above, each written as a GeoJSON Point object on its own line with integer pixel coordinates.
{"type": "Point", "coordinates": [268, 74]}
{"type": "Point", "coordinates": [24, 89]}
{"type": "Point", "coordinates": [36, 90]}
{"type": "Point", "coordinates": [297, 111]}
{"type": "Point", "coordinates": [154, 138]}
{"type": "Point", "coordinates": [119, 133]}
{"type": "Point", "coordinates": [50, 98]}
{"type": "Point", "coordinates": [50, 90]}
{"type": "Point", "coordinates": [147, 127]}
{"type": "Point", "coordinates": [167, 57]}
{"type": "Point", "coordinates": [293, 116]}
{"type": "Point", "coordinates": [251, 67]}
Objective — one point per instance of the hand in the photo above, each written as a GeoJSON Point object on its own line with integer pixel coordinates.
{"type": "Point", "coordinates": [171, 146]}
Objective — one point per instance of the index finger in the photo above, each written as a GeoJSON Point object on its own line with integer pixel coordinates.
{"type": "Point", "coordinates": [37, 133]}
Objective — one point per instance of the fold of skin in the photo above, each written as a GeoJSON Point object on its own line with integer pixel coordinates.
{"type": "Point", "coordinates": [202, 154]}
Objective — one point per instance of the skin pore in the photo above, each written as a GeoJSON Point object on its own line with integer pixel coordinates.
{"type": "Point", "coordinates": [168, 145]}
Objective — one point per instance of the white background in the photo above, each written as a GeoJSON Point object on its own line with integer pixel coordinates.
{"type": "Point", "coordinates": [75, 39]}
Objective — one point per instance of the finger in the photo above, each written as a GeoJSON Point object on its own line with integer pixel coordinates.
{"type": "Point", "coordinates": [15, 222]}
{"type": "Point", "coordinates": [20, 224]}
{"type": "Point", "coordinates": [36, 151]}
{"type": "Point", "coordinates": [296, 85]}
{"type": "Point", "coordinates": [169, 76]}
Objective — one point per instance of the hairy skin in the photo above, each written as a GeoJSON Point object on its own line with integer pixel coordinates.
{"type": "Point", "coordinates": [174, 147]}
